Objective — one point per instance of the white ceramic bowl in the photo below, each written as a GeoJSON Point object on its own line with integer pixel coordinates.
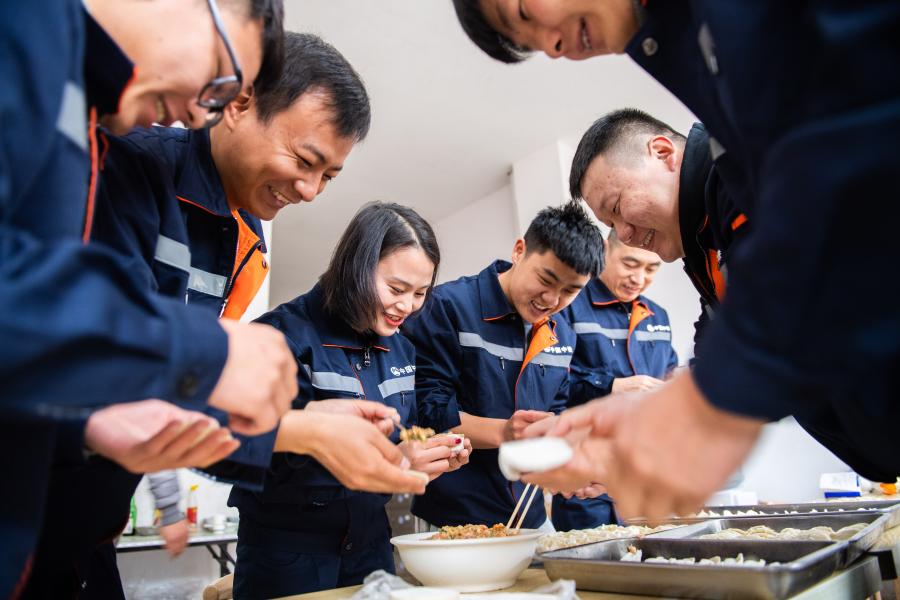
{"type": "Point", "coordinates": [478, 565]}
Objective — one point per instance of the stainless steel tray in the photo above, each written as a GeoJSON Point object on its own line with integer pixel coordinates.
{"type": "Point", "coordinates": [597, 567]}
{"type": "Point", "coordinates": [891, 507]}
{"type": "Point", "coordinates": [855, 546]}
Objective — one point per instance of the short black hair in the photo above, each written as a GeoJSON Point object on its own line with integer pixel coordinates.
{"type": "Point", "coordinates": [378, 230]}
{"type": "Point", "coordinates": [610, 135]}
{"type": "Point", "coordinates": [568, 231]}
{"type": "Point", "coordinates": [272, 14]}
{"type": "Point", "coordinates": [313, 65]}
{"type": "Point", "coordinates": [493, 43]}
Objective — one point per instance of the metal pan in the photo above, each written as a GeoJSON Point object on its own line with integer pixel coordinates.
{"type": "Point", "coordinates": [891, 507]}
{"type": "Point", "coordinates": [855, 546]}
{"type": "Point", "coordinates": [597, 567]}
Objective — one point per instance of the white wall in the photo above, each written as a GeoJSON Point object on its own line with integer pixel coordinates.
{"type": "Point", "coordinates": [472, 237]}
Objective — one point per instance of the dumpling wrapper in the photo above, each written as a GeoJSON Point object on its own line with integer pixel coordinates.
{"type": "Point", "coordinates": [533, 456]}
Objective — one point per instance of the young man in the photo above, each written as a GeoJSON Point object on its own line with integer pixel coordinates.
{"type": "Point", "coordinates": [169, 195]}
{"type": "Point", "coordinates": [490, 359]}
{"type": "Point", "coordinates": [660, 192]}
{"type": "Point", "coordinates": [78, 331]}
{"type": "Point", "coordinates": [803, 145]}
{"type": "Point", "coordinates": [624, 345]}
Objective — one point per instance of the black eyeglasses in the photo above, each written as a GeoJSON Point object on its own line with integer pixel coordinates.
{"type": "Point", "coordinates": [216, 94]}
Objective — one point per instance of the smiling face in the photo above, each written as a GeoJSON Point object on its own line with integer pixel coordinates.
{"type": "Point", "coordinates": [402, 281]}
{"type": "Point", "coordinates": [267, 166]}
{"type": "Point", "coordinates": [176, 50]}
{"type": "Point", "coordinates": [639, 198]}
{"type": "Point", "coordinates": [574, 29]}
{"type": "Point", "coordinates": [539, 284]}
{"type": "Point", "coordinates": [628, 271]}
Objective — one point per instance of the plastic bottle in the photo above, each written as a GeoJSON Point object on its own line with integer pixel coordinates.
{"type": "Point", "coordinates": [132, 519]}
{"type": "Point", "coordinates": [192, 506]}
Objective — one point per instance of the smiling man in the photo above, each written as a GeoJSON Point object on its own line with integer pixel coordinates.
{"type": "Point", "coordinates": [796, 145]}
{"type": "Point", "coordinates": [662, 193]}
{"type": "Point", "coordinates": [491, 359]}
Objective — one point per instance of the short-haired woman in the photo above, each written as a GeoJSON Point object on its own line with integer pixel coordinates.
{"type": "Point", "coordinates": [305, 531]}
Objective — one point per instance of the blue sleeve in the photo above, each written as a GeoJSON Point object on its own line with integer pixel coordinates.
{"type": "Point", "coordinates": [78, 328]}
{"type": "Point", "coordinates": [438, 365]}
{"type": "Point", "coordinates": [790, 336]}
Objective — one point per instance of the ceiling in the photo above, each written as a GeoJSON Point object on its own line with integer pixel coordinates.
{"type": "Point", "coordinates": [447, 121]}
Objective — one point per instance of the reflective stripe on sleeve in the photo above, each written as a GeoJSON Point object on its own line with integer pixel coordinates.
{"type": "Point", "coordinates": [72, 119]}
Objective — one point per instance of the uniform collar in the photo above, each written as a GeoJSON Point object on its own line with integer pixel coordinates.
{"type": "Point", "coordinates": [599, 296]}
{"type": "Point", "coordinates": [494, 303]}
{"type": "Point", "coordinates": [334, 332]}
{"type": "Point", "coordinates": [107, 70]}
{"type": "Point", "coordinates": [695, 168]}
{"type": "Point", "coordinates": [199, 182]}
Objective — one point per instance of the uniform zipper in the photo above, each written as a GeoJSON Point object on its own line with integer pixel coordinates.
{"type": "Point", "coordinates": [240, 268]}
{"type": "Point", "coordinates": [366, 359]}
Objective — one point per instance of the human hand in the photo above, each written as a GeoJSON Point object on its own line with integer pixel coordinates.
{"type": "Point", "coordinates": [431, 457]}
{"type": "Point", "coordinates": [659, 454]}
{"type": "Point", "coordinates": [356, 452]}
{"type": "Point", "coordinates": [635, 383]}
{"type": "Point", "coordinates": [515, 426]}
{"type": "Point", "coordinates": [594, 490]}
{"type": "Point", "coordinates": [175, 537]}
{"type": "Point", "coordinates": [152, 435]}
{"type": "Point", "coordinates": [384, 417]}
{"type": "Point", "coordinates": [259, 380]}
{"type": "Point", "coordinates": [461, 457]}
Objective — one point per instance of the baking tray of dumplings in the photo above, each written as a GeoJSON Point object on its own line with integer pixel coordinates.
{"type": "Point", "coordinates": [789, 567]}
{"type": "Point", "coordinates": [856, 531]}
{"type": "Point", "coordinates": [890, 507]}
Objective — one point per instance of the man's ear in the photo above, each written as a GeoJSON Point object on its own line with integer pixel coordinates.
{"type": "Point", "coordinates": [519, 250]}
{"type": "Point", "coordinates": [664, 149]}
{"type": "Point", "coordinates": [238, 109]}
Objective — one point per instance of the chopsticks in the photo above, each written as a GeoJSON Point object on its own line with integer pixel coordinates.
{"type": "Point", "coordinates": [525, 510]}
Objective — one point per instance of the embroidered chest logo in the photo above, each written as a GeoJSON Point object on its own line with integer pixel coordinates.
{"type": "Point", "coordinates": [559, 350]}
{"type": "Point", "coordinates": [400, 371]}
{"type": "Point", "coordinates": [651, 328]}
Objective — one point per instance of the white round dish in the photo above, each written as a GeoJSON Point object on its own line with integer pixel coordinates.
{"type": "Point", "coordinates": [471, 565]}
{"type": "Point", "coordinates": [532, 456]}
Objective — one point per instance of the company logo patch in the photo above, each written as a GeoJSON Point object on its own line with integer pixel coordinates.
{"type": "Point", "coordinates": [559, 350]}
{"type": "Point", "coordinates": [407, 370]}
{"type": "Point", "coordinates": [652, 328]}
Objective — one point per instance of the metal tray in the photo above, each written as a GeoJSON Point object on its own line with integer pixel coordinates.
{"type": "Point", "coordinates": [597, 567]}
{"type": "Point", "coordinates": [855, 546]}
{"type": "Point", "coordinates": [891, 507]}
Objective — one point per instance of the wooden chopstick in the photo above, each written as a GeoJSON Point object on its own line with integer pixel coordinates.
{"type": "Point", "coordinates": [512, 517]}
{"type": "Point", "coordinates": [527, 506]}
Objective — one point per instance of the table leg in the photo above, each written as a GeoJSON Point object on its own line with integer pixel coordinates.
{"type": "Point", "coordinates": [223, 558]}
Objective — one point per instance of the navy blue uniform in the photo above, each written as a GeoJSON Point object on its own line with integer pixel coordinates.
{"type": "Point", "coordinates": [802, 133]}
{"type": "Point", "coordinates": [76, 327]}
{"type": "Point", "coordinates": [475, 354]}
{"type": "Point", "coordinates": [161, 205]}
{"type": "Point", "coordinates": [305, 531]}
{"type": "Point", "coordinates": [710, 223]}
{"type": "Point", "coordinates": [614, 340]}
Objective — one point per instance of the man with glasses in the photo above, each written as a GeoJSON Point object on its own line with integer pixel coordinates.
{"type": "Point", "coordinates": [77, 329]}
{"type": "Point", "coordinates": [167, 188]}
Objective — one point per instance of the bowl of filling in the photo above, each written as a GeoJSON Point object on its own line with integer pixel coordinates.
{"type": "Point", "coordinates": [468, 558]}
